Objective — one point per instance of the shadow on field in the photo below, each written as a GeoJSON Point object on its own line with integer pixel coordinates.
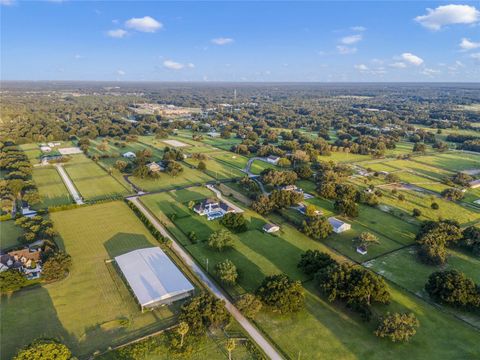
{"type": "Point", "coordinates": [123, 243]}
{"type": "Point", "coordinates": [27, 315]}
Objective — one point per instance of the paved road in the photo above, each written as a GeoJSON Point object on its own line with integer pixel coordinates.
{"type": "Point", "coordinates": [68, 183]}
{"type": "Point", "coordinates": [267, 348]}
{"type": "Point", "coordinates": [253, 176]}
{"type": "Point", "coordinates": [226, 201]}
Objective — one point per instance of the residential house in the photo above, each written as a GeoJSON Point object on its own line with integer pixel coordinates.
{"type": "Point", "coordinates": [27, 260]}
{"type": "Point", "coordinates": [155, 167]}
{"type": "Point", "coordinates": [212, 208]}
{"type": "Point", "coordinates": [338, 225]}
{"type": "Point", "coordinates": [273, 159]}
{"type": "Point", "coordinates": [213, 134]}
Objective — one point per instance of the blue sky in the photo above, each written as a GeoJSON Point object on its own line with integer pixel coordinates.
{"type": "Point", "coordinates": [240, 41]}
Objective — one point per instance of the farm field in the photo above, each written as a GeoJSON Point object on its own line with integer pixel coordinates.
{"type": "Point", "coordinates": [52, 190]}
{"type": "Point", "coordinates": [258, 166]}
{"type": "Point", "coordinates": [115, 150]}
{"type": "Point", "coordinates": [9, 233]}
{"type": "Point", "coordinates": [235, 160]}
{"type": "Point", "coordinates": [92, 181]}
{"type": "Point", "coordinates": [92, 308]}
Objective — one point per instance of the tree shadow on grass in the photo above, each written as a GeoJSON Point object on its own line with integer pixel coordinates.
{"type": "Point", "coordinates": [27, 315]}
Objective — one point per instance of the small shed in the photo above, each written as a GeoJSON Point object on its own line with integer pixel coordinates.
{"type": "Point", "coordinates": [270, 228]}
{"type": "Point", "coordinates": [339, 226]}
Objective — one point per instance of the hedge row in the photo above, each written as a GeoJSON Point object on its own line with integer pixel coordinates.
{"type": "Point", "coordinates": [153, 230]}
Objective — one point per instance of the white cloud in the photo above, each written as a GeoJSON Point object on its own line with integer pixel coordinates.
{"type": "Point", "coordinates": [466, 44]}
{"type": "Point", "coordinates": [117, 33]}
{"type": "Point", "coordinates": [412, 59]}
{"type": "Point", "coordinates": [398, 65]}
{"type": "Point", "coordinates": [7, 2]}
{"type": "Point", "coordinates": [352, 39]}
{"type": "Point", "coordinates": [145, 24]}
{"type": "Point", "coordinates": [361, 67]}
{"type": "Point", "coordinates": [475, 56]}
{"type": "Point", "coordinates": [222, 41]}
{"type": "Point", "coordinates": [78, 56]}
{"type": "Point", "coordinates": [429, 72]}
{"type": "Point", "coordinates": [358, 28]}
{"type": "Point", "coordinates": [449, 14]}
{"type": "Point", "coordinates": [173, 65]}
{"type": "Point", "coordinates": [345, 50]}
{"type": "Point", "coordinates": [121, 72]}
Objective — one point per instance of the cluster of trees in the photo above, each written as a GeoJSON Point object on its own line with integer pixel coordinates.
{"type": "Point", "coordinates": [452, 194]}
{"type": "Point", "coordinates": [220, 240]}
{"type": "Point", "coordinates": [234, 221]}
{"type": "Point", "coordinates": [36, 228]}
{"type": "Point", "coordinates": [461, 178]}
{"type": "Point", "coordinates": [317, 227]}
{"type": "Point", "coordinates": [17, 183]}
{"type": "Point", "coordinates": [282, 294]}
{"type": "Point", "coordinates": [433, 239]}
{"type": "Point", "coordinates": [357, 287]}
{"type": "Point", "coordinates": [453, 288]}
{"type": "Point", "coordinates": [250, 186]}
{"type": "Point", "coordinates": [278, 178]}
{"type": "Point", "coordinates": [204, 312]}
{"type": "Point", "coordinates": [227, 272]}
{"type": "Point", "coordinates": [278, 199]}
{"type": "Point", "coordinates": [44, 349]}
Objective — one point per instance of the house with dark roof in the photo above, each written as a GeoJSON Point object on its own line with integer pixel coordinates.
{"type": "Point", "coordinates": [270, 228]}
{"type": "Point", "coordinates": [212, 208]}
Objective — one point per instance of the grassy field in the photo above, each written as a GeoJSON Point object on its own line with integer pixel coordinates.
{"type": "Point", "coordinates": [51, 187]}
{"type": "Point", "coordinates": [415, 199]}
{"type": "Point", "coordinates": [456, 161]}
{"type": "Point", "coordinates": [92, 308]}
{"type": "Point", "coordinates": [216, 169]}
{"type": "Point", "coordinates": [322, 330]}
{"type": "Point", "coordinates": [9, 233]}
{"type": "Point", "coordinates": [392, 266]}
{"type": "Point", "coordinates": [327, 331]}
{"type": "Point", "coordinates": [258, 166]}
{"type": "Point", "coordinates": [235, 160]}
{"type": "Point", "coordinates": [92, 181]}
{"type": "Point", "coordinates": [165, 182]}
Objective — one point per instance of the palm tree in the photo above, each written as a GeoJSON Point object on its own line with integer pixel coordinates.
{"type": "Point", "coordinates": [230, 347]}
{"type": "Point", "coordinates": [182, 329]}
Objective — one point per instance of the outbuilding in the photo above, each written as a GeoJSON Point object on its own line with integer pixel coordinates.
{"type": "Point", "coordinates": [129, 155]}
{"type": "Point", "coordinates": [154, 279]}
{"type": "Point", "coordinates": [339, 226]}
{"type": "Point", "coordinates": [270, 228]}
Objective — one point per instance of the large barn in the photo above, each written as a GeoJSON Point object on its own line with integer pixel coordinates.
{"type": "Point", "coordinates": [153, 277]}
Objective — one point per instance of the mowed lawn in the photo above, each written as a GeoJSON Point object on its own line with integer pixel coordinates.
{"type": "Point", "coordinates": [92, 181]}
{"type": "Point", "coordinates": [9, 233]}
{"type": "Point", "coordinates": [91, 309]}
{"type": "Point", "coordinates": [187, 177]}
{"type": "Point", "coordinates": [52, 190]}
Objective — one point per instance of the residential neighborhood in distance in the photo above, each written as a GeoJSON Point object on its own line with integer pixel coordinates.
{"type": "Point", "coordinates": [239, 180]}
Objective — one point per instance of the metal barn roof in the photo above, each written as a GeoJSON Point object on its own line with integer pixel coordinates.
{"type": "Point", "coordinates": [152, 276]}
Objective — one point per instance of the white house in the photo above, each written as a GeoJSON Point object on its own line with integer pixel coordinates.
{"type": "Point", "coordinates": [273, 159]}
{"type": "Point", "coordinates": [129, 155]}
{"type": "Point", "coordinates": [338, 225]}
{"type": "Point", "coordinates": [45, 148]}
{"type": "Point", "coordinates": [27, 212]}
{"type": "Point", "coordinates": [213, 208]}
{"type": "Point", "coordinates": [270, 228]}
{"type": "Point", "coordinates": [213, 134]}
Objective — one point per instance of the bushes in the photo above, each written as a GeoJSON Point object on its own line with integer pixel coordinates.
{"type": "Point", "coordinates": [44, 350]}
{"type": "Point", "coordinates": [318, 228]}
{"type": "Point", "coordinates": [56, 266]}
{"type": "Point", "coordinates": [235, 222]}
{"type": "Point", "coordinates": [11, 280]}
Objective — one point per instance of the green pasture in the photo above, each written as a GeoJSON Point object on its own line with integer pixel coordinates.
{"type": "Point", "coordinates": [217, 170]}
{"type": "Point", "coordinates": [92, 181]}
{"type": "Point", "coordinates": [452, 161]}
{"type": "Point", "coordinates": [92, 308]}
{"type": "Point", "coordinates": [51, 188]}
{"type": "Point", "coordinates": [9, 233]}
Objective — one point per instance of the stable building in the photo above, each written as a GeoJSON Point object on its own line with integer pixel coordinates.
{"type": "Point", "coordinates": [153, 278]}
